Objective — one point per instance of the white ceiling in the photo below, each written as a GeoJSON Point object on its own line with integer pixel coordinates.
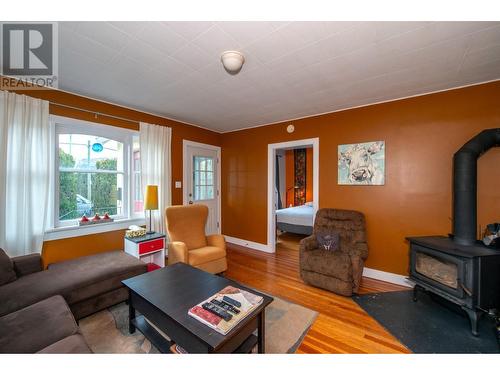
{"type": "Point", "coordinates": [292, 69]}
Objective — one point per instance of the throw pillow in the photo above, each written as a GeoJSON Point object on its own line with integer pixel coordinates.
{"type": "Point", "coordinates": [7, 273]}
{"type": "Point", "coordinates": [328, 241]}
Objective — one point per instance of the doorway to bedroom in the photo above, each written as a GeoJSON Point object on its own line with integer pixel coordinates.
{"type": "Point", "coordinates": [292, 192]}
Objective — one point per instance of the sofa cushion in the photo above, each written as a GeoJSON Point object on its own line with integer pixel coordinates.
{"type": "Point", "coordinates": [75, 280]}
{"type": "Point", "coordinates": [336, 264]}
{"type": "Point", "coordinates": [89, 306]}
{"type": "Point", "coordinates": [96, 274]}
{"type": "Point", "coordinates": [205, 254]}
{"type": "Point", "coordinates": [30, 289]}
{"type": "Point", "coordinates": [7, 273]}
{"type": "Point", "coordinates": [74, 344]}
{"type": "Point", "coordinates": [26, 264]}
{"type": "Point", "coordinates": [101, 286]}
{"type": "Point", "coordinates": [34, 327]}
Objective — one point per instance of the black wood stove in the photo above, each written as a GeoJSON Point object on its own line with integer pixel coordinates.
{"type": "Point", "coordinates": [458, 267]}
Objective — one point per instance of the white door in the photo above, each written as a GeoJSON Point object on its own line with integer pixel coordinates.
{"type": "Point", "coordinates": [201, 180]}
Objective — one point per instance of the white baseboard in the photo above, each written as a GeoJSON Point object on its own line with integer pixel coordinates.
{"type": "Point", "coordinates": [392, 278]}
{"type": "Point", "coordinates": [249, 244]}
{"type": "Point", "coordinates": [368, 272]}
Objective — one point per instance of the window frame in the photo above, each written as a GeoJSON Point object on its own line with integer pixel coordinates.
{"type": "Point", "coordinates": [133, 191]}
{"type": "Point", "coordinates": [67, 125]}
{"type": "Point", "coordinates": [205, 172]}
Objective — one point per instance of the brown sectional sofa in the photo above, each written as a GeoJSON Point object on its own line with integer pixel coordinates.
{"type": "Point", "coordinates": [38, 307]}
{"type": "Point", "coordinates": [46, 326]}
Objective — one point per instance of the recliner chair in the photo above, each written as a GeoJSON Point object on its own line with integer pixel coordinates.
{"type": "Point", "coordinates": [188, 242]}
{"type": "Point", "coordinates": [339, 271]}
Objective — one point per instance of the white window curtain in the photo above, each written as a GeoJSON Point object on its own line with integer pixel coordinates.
{"type": "Point", "coordinates": [155, 145]}
{"type": "Point", "coordinates": [26, 172]}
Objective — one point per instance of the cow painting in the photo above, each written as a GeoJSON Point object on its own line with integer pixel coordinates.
{"type": "Point", "coordinates": [361, 163]}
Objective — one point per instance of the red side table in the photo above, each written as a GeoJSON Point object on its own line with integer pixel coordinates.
{"type": "Point", "coordinates": [149, 248]}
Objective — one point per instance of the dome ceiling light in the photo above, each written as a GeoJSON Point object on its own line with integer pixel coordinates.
{"type": "Point", "coordinates": [232, 61]}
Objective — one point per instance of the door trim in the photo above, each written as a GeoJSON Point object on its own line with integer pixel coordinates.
{"type": "Point", "coordinates": [185, 144]}
{"type": "Point", "coordinates": [271, 171]}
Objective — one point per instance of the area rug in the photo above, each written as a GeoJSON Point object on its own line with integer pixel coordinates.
{"type": "Point", "coordinates": [107, 331]}
{"type": "Point", "coordinates": [430, 325]}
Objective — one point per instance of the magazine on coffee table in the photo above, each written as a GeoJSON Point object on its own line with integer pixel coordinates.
{"type": "Point", "coordinates": [248, 301]}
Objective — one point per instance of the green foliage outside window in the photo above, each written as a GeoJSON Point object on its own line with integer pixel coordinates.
{"type": "Point", "coordinates": [67, 185]}
{"type": "Point", "coordinates": [103, 189]}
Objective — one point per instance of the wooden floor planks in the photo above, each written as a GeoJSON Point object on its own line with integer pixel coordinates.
{"type": "Point", "coordinates": [341, 326]}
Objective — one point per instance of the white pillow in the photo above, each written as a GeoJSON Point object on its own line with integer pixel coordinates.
{"type": "Point", "coordinates": [310, 204]}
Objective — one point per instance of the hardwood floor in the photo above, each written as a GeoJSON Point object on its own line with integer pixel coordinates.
{"type": "Point", "coordinates": [341, 326]}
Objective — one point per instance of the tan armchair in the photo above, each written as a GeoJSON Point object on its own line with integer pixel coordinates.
{"type": "Point", "coordinates": [341, 270]}
{"type": "Point", "coordinates": [188, 242]}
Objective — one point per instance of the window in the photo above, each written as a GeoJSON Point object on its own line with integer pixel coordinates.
{"type": "Point", "coordinates": [203, 175]}
{"type": "Point", "coordinates": [94, 173]}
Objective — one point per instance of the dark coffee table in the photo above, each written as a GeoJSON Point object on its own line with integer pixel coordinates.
{"type": "Point", "coordinates": [164, 298]}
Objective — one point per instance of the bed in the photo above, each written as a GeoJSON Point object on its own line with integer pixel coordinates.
{"type": "Point", "coordinates": [299, 219]}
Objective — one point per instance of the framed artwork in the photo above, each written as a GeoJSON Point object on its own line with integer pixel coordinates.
{"type": "Point", "coordinates": [361, 163]}
{"type": "Point", "coordinates": [300, 165]}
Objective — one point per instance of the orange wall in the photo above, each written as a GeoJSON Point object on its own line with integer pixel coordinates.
{"type": "Point", "coordinates": [59, 249]}
{"type": "Point", "coordinates": [421, 136]}
{"type": "Point", "coordinates": [74, 247]}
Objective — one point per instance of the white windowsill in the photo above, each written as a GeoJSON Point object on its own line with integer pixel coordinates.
{"type": "Point", "coordinates": [76, 231]}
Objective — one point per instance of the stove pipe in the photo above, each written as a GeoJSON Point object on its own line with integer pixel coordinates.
{"type": "Point", "coordinates": [465, 184]}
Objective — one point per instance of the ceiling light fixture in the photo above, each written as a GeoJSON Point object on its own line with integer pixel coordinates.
{"type": "Point", "coordinates": [232, 61]}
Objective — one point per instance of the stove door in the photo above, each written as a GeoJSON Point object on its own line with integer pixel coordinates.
{"type": "Point", "coordinates": [438, 270]}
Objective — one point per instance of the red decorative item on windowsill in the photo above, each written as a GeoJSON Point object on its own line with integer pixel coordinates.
{"type": "Point", "coordinates": [106, 218]}
{"type": "Point", "coordinates": [84, 221]}
{"type": "Point", "coordinates": [95, 220]}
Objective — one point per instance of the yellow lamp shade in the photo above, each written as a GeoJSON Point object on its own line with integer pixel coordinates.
{"type": "Point", "coordinates": [151, 197]}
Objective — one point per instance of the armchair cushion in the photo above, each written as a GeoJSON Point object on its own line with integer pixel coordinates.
{"type": "Point", "coordinates": [339, 271]}
{"type": "Point", "coordinates": [187, 224]}
{"type": "Point", "coordinates": [177, 252]}
{"type": "Point", "coordinates": [205, 254]}
{"type": "Point", "coordinates": [216, 240]}
{"type": "Point", "coordinates": [349, 224]}
{"type": "Point", "coordinates": [7, 273]}
{"type": "Point", "coordinates": [186, 229]}
{"type": "Point", "coordinates": [334, 264]}
{"type": "Point", "coordinates": [308, 243]}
